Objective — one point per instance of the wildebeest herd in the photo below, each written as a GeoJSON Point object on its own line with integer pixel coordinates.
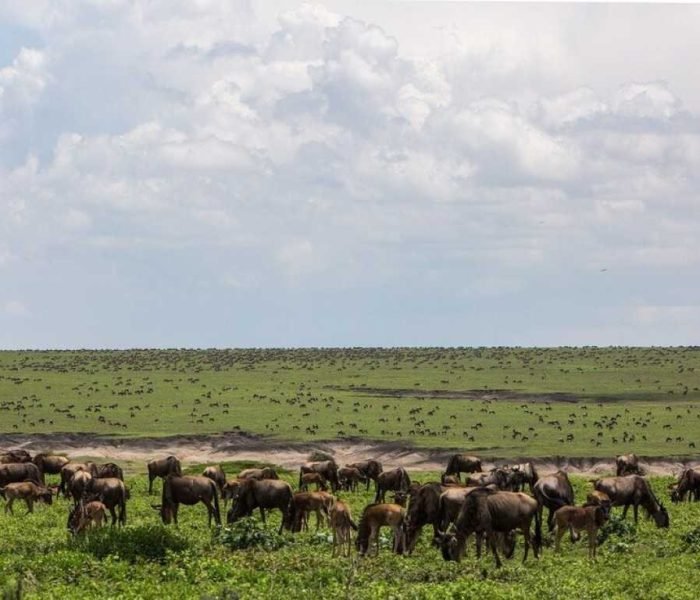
{"type": "Point", "coordinates": [494, 505]}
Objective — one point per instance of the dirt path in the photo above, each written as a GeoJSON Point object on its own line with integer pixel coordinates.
{"type": "Point", "coordinates": [242, 447]}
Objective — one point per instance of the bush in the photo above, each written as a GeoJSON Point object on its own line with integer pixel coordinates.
{"type": "Point", "coordinates": [319, 455]}
{"type": "Point", "coordinates": [690, 541]}
{"type": "Point", "coordinates": [622, 534]}
{"type": "Point", "coordinates": [249, 533]}
{"type": "Point", "coordinates": [148, 542]}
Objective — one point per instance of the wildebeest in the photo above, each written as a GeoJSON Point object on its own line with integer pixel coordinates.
{"type": "Point", "coordinates": [376, 516]}
{"type": "Point", "coordinates": [18, 455]}
{"type": "Point", "coordinates": [633, 490]}
{"type": "Point", "coordinates": [596, 498]}
{"type": "Point", "coordinates": [450, 504]}
{"type": "Point", "coordinates": [69, 470]}
{"type": "Point", "coordinates": [327, 468]}
{"type": "Point", "coordinates": [28, 491]}
{"type": "Point", "coordinates": [462, 463]}
{"type": "Point", "coordinates": [109, 470]}
{"type": "Point", "coordinates": [627, 464]}
{"type": "Point", "coordinates": [217, 475]}
{"type": "Point", "coordinates": [301, 504]}
{"type": "Point", "coordinates": [553, 492]}
{"type": "Point", "coordinates": [86, 515]}
{"type": "Point", "coordinates": [688, 483]}
{"type": "Point", "coordinates": [112, 492]}
{"type": "Point", "coordinates": [263, 473]}
{"type": "Point", "coordinates": [370, 469]}
{"type": "Point", "coordinates": [350, 477]}
{"type": "Point", "coordinates": [524, 473]}
{"type": "Point", "coordinates": [24, 471]}
{"type": "Point", "coordinates": [588, 518]}
{"type": "Point", "coordinates": [394, 480]}
{"type": "Point", "coordinates": [263, 494]}
{"type": "Point", "coordinates": [78, 485]}
{"type": "Point", "coordinates": [490, 513]}
{"type": "Point", "coordinates": [188, 490]}
{"type": "Point", "coordinates": [162, 468]}
{"type": "Point", "coordinates": [423, 509]}
{"type": "Point", "coordinates": [50, 463]}
{"type": "Point", "coordinates": [341, 525]}
{"type": "Point", "coordinates": [229, 489]}
{"type": "Point", "coordinates": [308, 478]}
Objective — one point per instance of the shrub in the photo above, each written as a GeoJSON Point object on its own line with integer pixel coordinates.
{"type": "Point", "coordinates": [690, 541]}
{"type": "Point", "coordinates": [319, 455]}
{"type": "Point", "coordinates": [249, 533]}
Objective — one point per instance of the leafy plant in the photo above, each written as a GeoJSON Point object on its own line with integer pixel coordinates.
{"type": "Point", "coordinates": [249, 533]}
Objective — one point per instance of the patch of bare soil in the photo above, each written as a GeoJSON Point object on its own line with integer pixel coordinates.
{"type": "Point", "coordinates": [458, 394]}
{"type": "Point", "coordinates": [245, 447]}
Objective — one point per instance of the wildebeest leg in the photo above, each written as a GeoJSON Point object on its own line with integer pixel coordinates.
{"type": "Point", "coordinates": [113, 513]}
{"type": "Point", "coordinates": [8, 506]}
{"type": "Point", "coordinates": [528, 540]}
{"type": "Point", "coordinates": [262, 514]}
{"type": "Point", "coordinates": [635, 507]}
{"type": "Point", "coordinates": [494, 548]}
{"type": "Point", "coordinates": [318, 519]}
{"type": "Point", "coordinates": [591, 542]}
{"type": "Point", "coordinates": [30, 505]}
{"type": "Point", "coordinates": [624, 511]}
{"type": "Point", "coordinates": [150, 483]}
{"type": "Point", "coordinates": [550, 520]}
{"type": "Point", "coordinates": [375, 537]}
{"type": "Point", "coordinates": [175, 508]}
{"type": "Point", "coordinates": [557, 539]}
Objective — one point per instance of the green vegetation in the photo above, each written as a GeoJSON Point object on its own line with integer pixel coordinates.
{"type": "Point", "coordinates": [494, 401]}
{"type": "Point", "coordinates": [148, 560]}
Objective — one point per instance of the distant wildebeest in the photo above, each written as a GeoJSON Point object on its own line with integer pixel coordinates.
{"type": "Point", "coordinates": [188, 490]}
{"type": "Point", "coordinates": [262, 494]}
{"type": "Point", "coordinates": [313, 478]}
{"type": "Point", "coordinates": [394, 480]}
{"type": "Point", "coordinates": [524, 473]}
{"type": "Point", "coordinates": [688, 483]}
{"type": "Point", "coordinates": [86, 515]}
{"type": "Point", "coordinates": [627, 464]}
{"type": "Point", "coordinates": [350, 477]}
{"type": "Point", "coordinates": [633, 490]}
{"type": "Point", "coordinates": [553, 492]}
{"type": "Point", "coordinates": [162, 468]}
{"type": "Point", "coordinates": [15, 456]}
{"type": "Point", "coordinates": [490, 513]}
{"type": "Point", "coordinates": [376, 516]}
{"type": "Point", "coordinates": [327, 468]}
{"type": "Point", "coordinates": [50, 464]}
{"type": "Point", "coordinates": [24, 471]}
{"type": "Point", "coordinates": [370, 469]}
{"type": "Point", "coordinates": [217, 475]}
{"type": "Point", "coordinates": [109, 470]}
{"type": "Point", "coordinates": [263, 473]}
{"type": "Point", "coordinates": [112, 492]}
{"type": "Point", "coordinates": [69, 470]}
{"type": "Point", "coordinates": [28, 491]}
{"type": "Point", "coordinates": [301, 504]}
{"type": "Point", "coordinates": [462, 463]}
{"type": "Point", "coordinates": [341, 525]}
{"type": "Point", "coordinates": [588, 518]}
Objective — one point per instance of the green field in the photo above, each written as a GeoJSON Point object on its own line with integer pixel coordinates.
{"type": "Point", "coordinates": [147, 560]}
{"type": "Point", "coordinates": [495, 401]}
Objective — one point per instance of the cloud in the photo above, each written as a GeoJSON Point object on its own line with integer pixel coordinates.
{"type": "Point", "coordinates": [15, 308]}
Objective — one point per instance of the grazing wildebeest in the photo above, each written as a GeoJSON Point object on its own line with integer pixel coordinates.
{"type": "Point", "coordinates": [300, 506]}
{"type": "Point", "coordinates": [28, 491]}
{"type": "Point", "coordinates": [327, 468]}
{"type": "Point", "coordinates": [15, 456]}
{"type": "Point", "coordinates": [633, 490]}
{"type": "Point", "coordinates": [69, 470]}
{"type": "Point", "coordinates": [217, 475]}
{"type": "Point", "coordinates": [86, 515]}
{"type": "Point", "coordinates": [553, 492]}
{"type": "Point", "coordinates": [450, 504]}
{"type": "Point", "coordinates": [112, 492]}
{"type": "Point", "coordinates": [394, 480]}
{"type": "Point", "coordinates": [341, 524]}
{"type": "Point", "coordinates": [423, 509]}
{"type": "Point", "coordinates": [109, 470]}
{"type": "Point", "coordinates": [50, 463]}
{"type": "Point", "coordinates": [263, 494]}
{"type": "Point", "coordinates": [688, 483]}
{"type": "Point", "coordinates": [462, 463]}
{"type": "Point", "coordinates": [627, 464]}
{"type": "Point", "coordinates": [264, 473]}
{"type": "Point", "coordinates": [588, 518]}
{"type": "Point", "coordinates": [162, 468]}
{"type": "Point", "coordinates": [24, 471]}
{"type": "Point", "coordinates": [522, 474]}
{"type": "Point", "coordinates": [308, 478]}
{"type": "Point", "coordinates": [229, 490]}
{"type": "Point", "coordinates": [490, 513]}
{"type": "Point", "coordinates": [497, 476]}
{"type": "Point", "coordinates": [376, 516]}
{"type": "Point", "coordinates": [370, 469]}
{"type": "Point", "coordinates": [350, 477]}
{"type": "Point", "coordinates": [596, 498]}
{"type": "Point", "coordinates": [188, 490]}
{"type": "Point", "coordinates": [78, 485]}
{"type": "Point", "coordinates": [450, 480]}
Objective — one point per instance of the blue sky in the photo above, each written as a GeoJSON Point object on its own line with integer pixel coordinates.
{"type": "Point", "coordinates": [233, 173]}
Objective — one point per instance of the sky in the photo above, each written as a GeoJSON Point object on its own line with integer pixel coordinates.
{"type": "Point", "coordinates": [235, 173]}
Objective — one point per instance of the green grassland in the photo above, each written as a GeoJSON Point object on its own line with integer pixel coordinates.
{"type": "Point", "coordinates": [495, 401]}
{"type": "Point", "coordinates": [148, 560]}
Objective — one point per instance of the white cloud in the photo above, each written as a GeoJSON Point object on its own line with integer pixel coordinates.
{"type": "Point", "coordinates": [15, 308]}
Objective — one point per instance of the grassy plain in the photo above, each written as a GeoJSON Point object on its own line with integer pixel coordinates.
{"type": "Point", "coordinates": [147, 560]}
{"type": "Point", "coordinates": [494, 401]}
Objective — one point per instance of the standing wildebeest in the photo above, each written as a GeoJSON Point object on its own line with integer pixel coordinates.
{"type": "Point", "coordinates": [263, 494]}
{"type": "Point", "coordinates": [588, 518]}
{"type": "Point", "coordinates": [112, 492]}
{"type": "Point", "coordinates": [423, 509]}
{"type": "Point", "coordinates": [49, 463]}
{"type": "Point", "coordinates": [627, 464]}
{"type": "Point", "coordinates": [24, 471]}
{"type": "Point", "coordinates": [109, 470]}
{"type": "Point", "coordinates": [374, 517]}
{"type": "Point", "coordinates": [490, 513]}
{"type": "Point", "coordinates": [341, 524]}
{"type": "Point", "coordinates": [217, 475]}
{"type": "Point", "coordinates": [395, 480]}
{"type": "Point", "coordinates": [28, 491]}
{"type": "Point", "coordinates": [350, 477]}
{"type": "Point", "coordinates": [633, 490]}
{"type": "Point", "coordinates": [264, 473]}
{"type": "Point", "coordinates": [78, 485]}
{"type": "Point", "coordinates": [308, 478]}
{"type": "Point", "coordinates": [327, 468]}
{"type": "Point", "coordinates": [497, 476]}
{"type": "Point", "coordinates": [85, 515]}
{"type": "Point", "coordinates": [522, 474]}
{"type": "Point", "coordinates": [162, 468]}
{"type": "Point", "coordinates": [462, 463]}
{"type": "Point", "coordinates": [450, 504]}
{"type": "Point", "coordinates": [688, 483]}
{"type": "Point", "coordinates": [553, 492]}
{"type": "Point", "coordinates": [69, 470]}
{"type": "Point", "coordinates": [370, 469]}
{"type": "Point", "coordinates": [15, 456]}
{"type": "Point", "coordinates": [301, 505]}
{"type": "Point", "coordinates": [188, 490]}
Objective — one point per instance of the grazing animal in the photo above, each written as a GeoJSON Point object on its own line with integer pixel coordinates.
{"type": "Point", "coordinates": [86, 515]}
{"type": "Point", "coordinates": [217, 475]}
{"type": "Point", "coordinates": [627, 464]}
{"type": "Point", "coordinates": [489, 513]}
{"type": "Point", "coordinates": [162, 468]}
{"type": "Point", "coordinates": [499, 477]}
{"type": "Point", "coordinates": [450, 504]}
{"type": "Point", "coordinates": [423, 509]}
{"type": "Point", "coordinates": [633, 490]}
{"type": "Point", "coordinates": [309, 478]}
{"type": "Point", "coordinates": [463, 463]}
{"type": "Point", "coordinates": [370, 469]}
{"type": "Point", "coordinates": [341, 525]}
{"type": "Point", "coordinates": [264, 473]}
{"type": "Point", "coordinates": [188, 490]}
{"type": "Point", "coordinates": [15, 456]}
{"type": "Point", "coordinates": [79, 485]}
{"type": "Point", "coordinates": [49, 463]}
{"type": "Point", "coordinates": [394, 480]}
{"type": "Point", "coordinates": [450, 480]}
{"type": "Point", "coordinates": [25, 471]}
{"type": "Point", "coordinates": [588, 518]}
{"type": "Point", "coordinates": [262, 494]}
{"type": "Point", "coordinates": [327, 468]}
{"type": "Point", "coordinates": [522, 474]}
{"type": "Point", "coordinates": [350, 478]}
{"type": "Point", "coordinates": [596, 498]}
{"type": "Point", "coordinates": [229, 490]}
{"type": "Point", "coordinates": [112, 492]}
{"type": "Point", "coordinates": [109, 470]}
{"type": "Point", "coordinates": [688, 483]}
{"type": "Point", "coordinates": [69, 470]}
{"type": "Point", "coordinates": [28, 491]}
{"type": "Point", "coordinates": [553, 492]}
{"type": "Point", "coordinates": [301, 505]}
{"type": "Point", "coordinates": [376, 516]}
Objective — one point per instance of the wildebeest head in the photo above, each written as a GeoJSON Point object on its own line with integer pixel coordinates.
{"type": "Point", "coordinates": [661, 517]}
{"type": "Point", "coordinates": [448, 544]}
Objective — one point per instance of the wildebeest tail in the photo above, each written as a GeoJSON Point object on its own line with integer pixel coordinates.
{"type": "Point", "coordinates": [301, 474]}
{"type": "Point", "coordinates": [538, 530]}
{"type": "Point", "coordinates": [352, 523]}
{"type": "Point", "coordinates": [217, 515]}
